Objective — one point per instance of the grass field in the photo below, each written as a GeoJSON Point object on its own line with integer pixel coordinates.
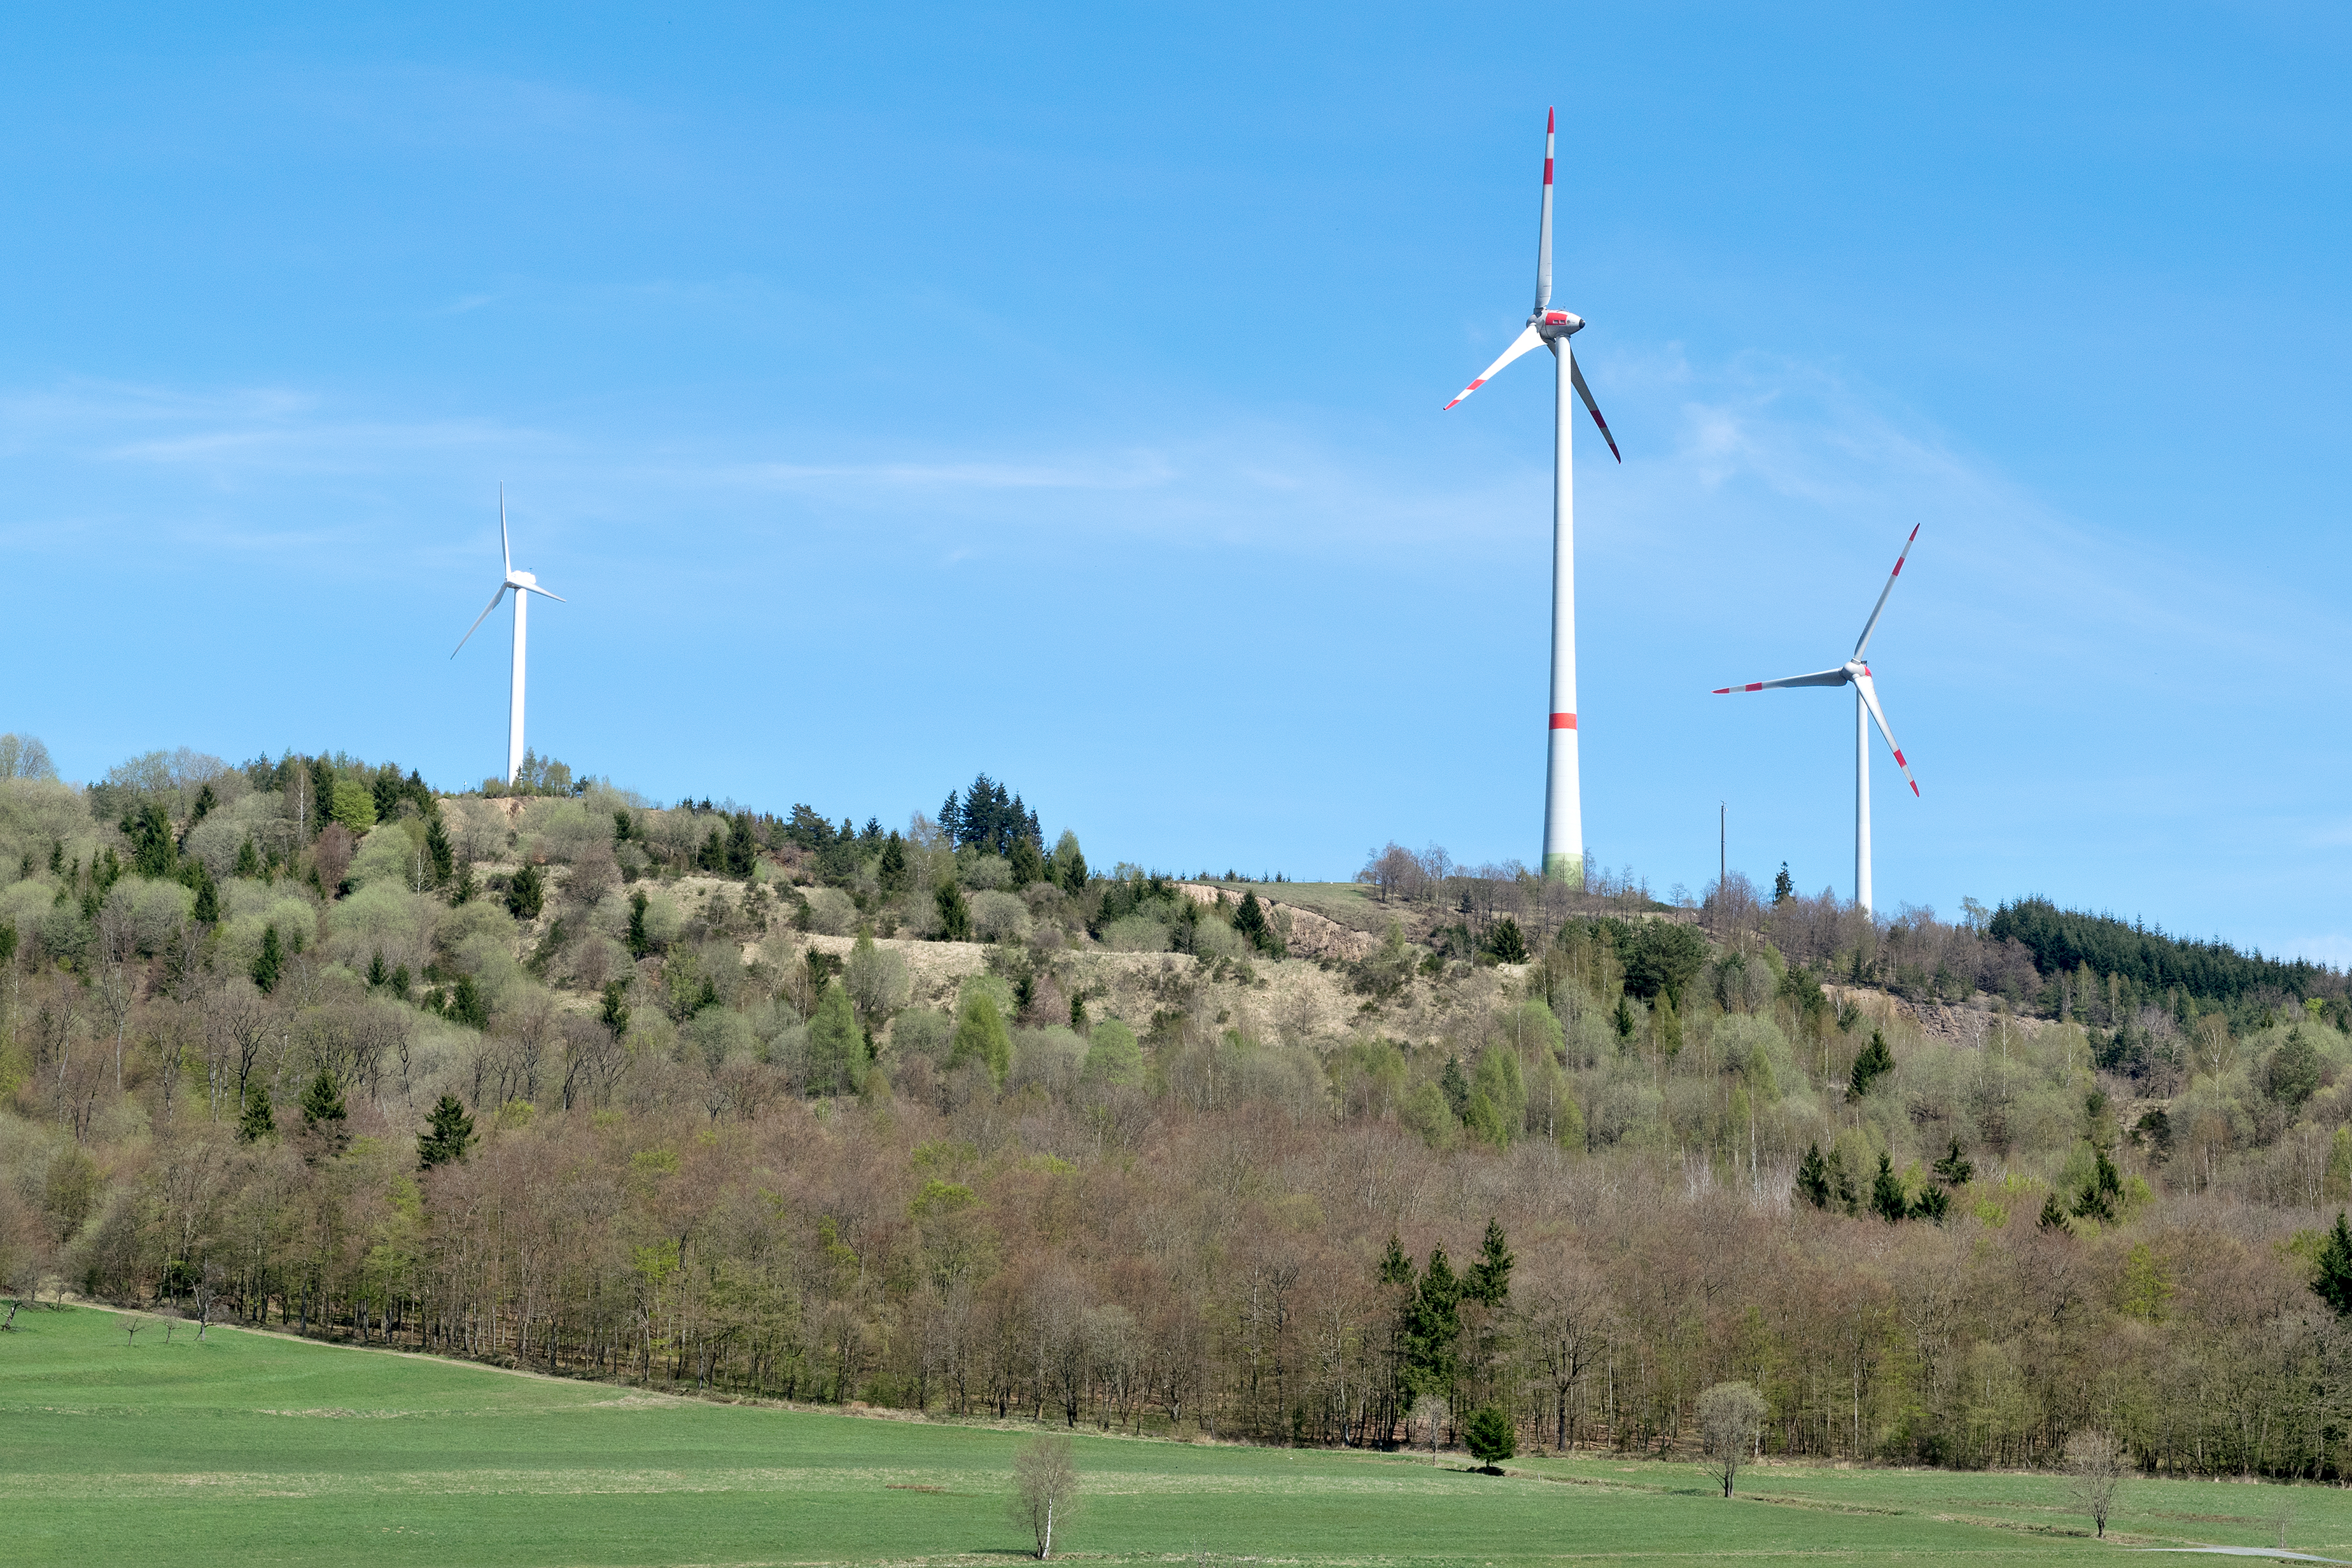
{"type": "Point", "coordinates": [255, 1449]}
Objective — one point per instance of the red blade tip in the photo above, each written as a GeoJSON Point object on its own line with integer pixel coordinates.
{"type": "Point", "coordinates": [1548, 124]}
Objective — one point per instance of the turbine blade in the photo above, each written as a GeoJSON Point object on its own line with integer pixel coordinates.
{"type": "Point", "coordinates": [557, 597]}
{"type": "Point", "coordinates": [506, 553]}
{"type": "Point", "coordinates": [1519, 345]}
{"type": "Point", "coordinates": [1575, 378]}
{"type": "Point", "coordinates": [1543, 245]}
{"type": "Point", "coordinates": [1837, 676]}
{"type": "Point", "coordinates": [1870, 700]}
{"type": "Point", "coordinates": [479, 620]}
{"type": "Point", "coordinates": [1879, 608]}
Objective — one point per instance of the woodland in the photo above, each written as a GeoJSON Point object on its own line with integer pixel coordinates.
{"type": "Point", "coordinates": [942, 1117]}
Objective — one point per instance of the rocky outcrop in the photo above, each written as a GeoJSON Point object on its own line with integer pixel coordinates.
{"type": "Point", "coordinates": [1308, 934]}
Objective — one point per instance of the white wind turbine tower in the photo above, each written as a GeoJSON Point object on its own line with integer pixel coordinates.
{"type": "Point", "coordinates": [522, 585]}
{"type": "Point", "coordinates": [1563, 838]}
{"type": "Point", "coordinates": [1855, 672]}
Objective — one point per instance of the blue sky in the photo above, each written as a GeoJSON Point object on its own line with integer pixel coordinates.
{"type": "Point", "coordinates": [1056, 391]}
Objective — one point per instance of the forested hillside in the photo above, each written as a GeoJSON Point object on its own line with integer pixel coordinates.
{"type": "Point", "coordinates": [942, 1116]}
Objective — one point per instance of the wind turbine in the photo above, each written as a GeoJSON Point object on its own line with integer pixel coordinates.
{"type": "Point", "coordinates": [1855, 673]}
{"type": "Point", "coordinates": [1563, 838]}
{"type": "Point", "coordinates": [522, 585]}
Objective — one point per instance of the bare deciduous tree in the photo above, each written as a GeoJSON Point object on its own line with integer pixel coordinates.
{"type": "Point", "coordinates": [2097, 1463]}
{"type": "Point", "coordinates": [1729, 1416]}
{"type": "Point", "coordinates": [1045, 1489]}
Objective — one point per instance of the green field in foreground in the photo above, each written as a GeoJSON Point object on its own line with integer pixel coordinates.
{"type": "Point", "coordinates": [252, 1449]}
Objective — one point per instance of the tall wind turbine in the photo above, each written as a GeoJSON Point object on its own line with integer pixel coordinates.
{"type": "Point", "coordinates": [1855, 673]}
{"type": "Point", "coordinates": [522, 585]}
{"type": "Point", "coordinates": [1563, 838]}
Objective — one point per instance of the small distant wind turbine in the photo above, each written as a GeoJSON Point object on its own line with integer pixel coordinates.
{"type": "Point", "coordinates": [522, 585]}
{"type": "Point", "coordinates": [1855, 673]}
{"type": "Point", "coordinates": [1563, 839]}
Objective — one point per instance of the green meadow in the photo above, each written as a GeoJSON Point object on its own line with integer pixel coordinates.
{"type": "Point", "coordinates": [251, 1448]}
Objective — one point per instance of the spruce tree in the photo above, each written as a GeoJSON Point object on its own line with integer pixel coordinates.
{"type": "Point", "coordinates": [467, 1005]}
{"type": "Point", "coordinates": [249, 858]}
{"type": "Point", "coordinates": [438, 850]}
{"type": "Point", "coordinates": [742, 848]}
{"type": "Point", "coordinates": [2053, 1215]}
{"type": "Point", "coordinates": [1433, 1328]}
{"type": "Point", "coordinates": [640, 943]}
{"type": "Point", "coordinates": [322, 1103]}
{"type": "Point", "coordinates": [258, 1121]}
{"type": "Point", "coordinates": [1250, 921]}
{"type": "Point", "coordinates": [1873, 1062]}
{"type": "Point", "coordinates": [951, 821]}
{"type": "Point", "coordinates": [526, 893]}
{"type": "Point", "coordinates": [1886, 1199]}
{"type": "Point", "coordinates": [1814, 1177]}
{"type": "Point", "coordinates": [1784, 887]}
{"type": "Point", "coordinates": [1954, 1169]}
{"type": "Point", "coordinates": [206, 910]}
{"type": "Point", "coordinates": [447, 1135]}
{"type": "Point", "coordinates": [615, 1014]}
{"type": "Point", "coordinates": [1455, 1086]}
{"type": "Point", "coordinates": [1489, 1280]}
{"type": "Point", "coordinates": [270, 961]}
{"type": "Point", "coordinates": [892, 875]}
{"type": "Point", "coordinates": [955, 914]}
{"type": "Point", "coordinates": [2333, 1283]}
{"type": "Point", "coordinates": [377, 974]}
{"type": "Point", "coordinates": [1506, 944]}
{"type": "Point", "coordinates": [1028, 865]}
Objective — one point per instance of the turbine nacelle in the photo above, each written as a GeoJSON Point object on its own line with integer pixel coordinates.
{"type": "Point", "coordinates": [1556, 326]}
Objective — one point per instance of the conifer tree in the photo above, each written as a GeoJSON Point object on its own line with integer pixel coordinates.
{"type": "Point", "coordinates": [270, 961]}
{"type": "Point", "coordinates": [955, 914]}
{"type": "Point", "coordinates": [951, 821]}
{"type": "Point", "coordinates": [615, 1014]}
{"type": "Point", "coordinates": [2053, 1215]}
{"type": "Point", "coordinates": [1433, 1328]}
{"type": "Point", "coordinates": [892, 875]}
{"type": "Point", "coordinates": [2333, 1282]}
{"type": "Point", "coordinates": [437, 850]}
{"type": "Point", "coordinates": [1455, 1086]}
{"type": "Point", "coordinates": [322, 1101]}
{"type": "Point", "coordinates": [1886, 1199]}
{"type": "Point", "coordinates": [1784, 887]}
{"type": "Point", "coordinates": [1873, 1062]}
{"type": "Point", "coordinates": [1028, 865]}
{"type": "Point", "coordinates": [377, 974]}
{"type": "Point", "coordinates": [1489, 1280]}
{"type": "Point", "coordinates": [526, 893]}
{"type": "Point", "coordinates": [249, 858]}
{"type": "Point", "coordinates": [1814, 1177]}
{"type": "Point", "coordinates": [1508, 944]}
{"type": "Point", "coordinates": [206, 908]}
{"type": "Point", "coordinates": [1250, 920]}
{"type": "Point", "coordinates": [1954, 1169]}
{"type": "Point", "coordinates": [257, 1122]}
{"type": "Point", "coordinates": [447, 1135]}
{"type": "Point", "coordinates": [640, 943]}
{"type": "Point", "coordinates": [467, 1005]}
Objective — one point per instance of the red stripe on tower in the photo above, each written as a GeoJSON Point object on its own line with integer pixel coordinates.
{"type": "Point", "coordinates": [1564, 720]}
